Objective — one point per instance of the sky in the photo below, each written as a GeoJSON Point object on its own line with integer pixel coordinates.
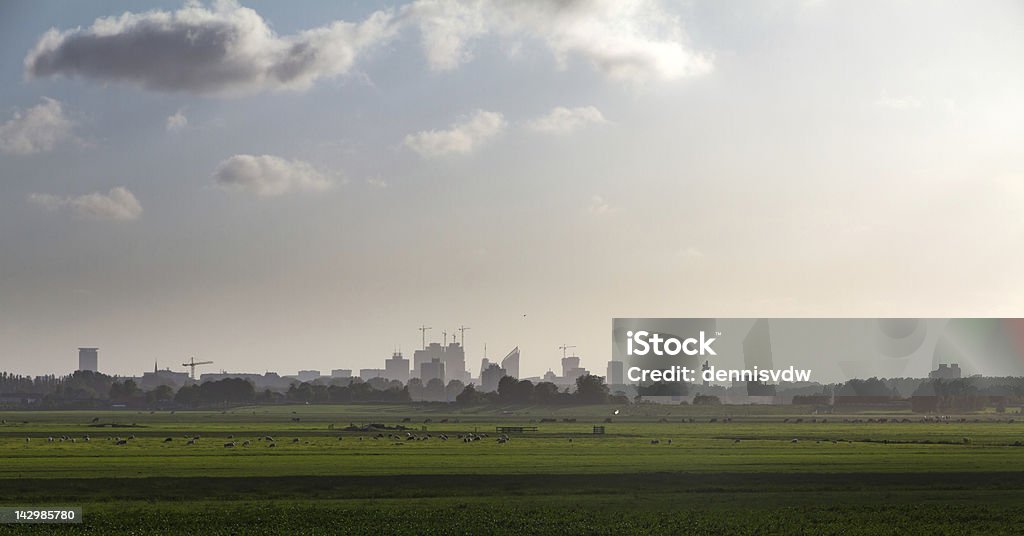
{"type": "Point", "coordinates": [283, 186]}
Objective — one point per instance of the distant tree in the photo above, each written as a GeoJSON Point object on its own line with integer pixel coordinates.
{"type": "Point", "coordinates": [161, 393]}
{"type": "Point", "coordinates": [453, 390]}
{"type": "Point", "coordinates": [513, 391]}
{"type": "Point", "coordinates": [122, 391]}
{"type": "Point", "coordinates": [469, 396]}
{"type": "Point", "coordinates": [187, 396]}
{"type": "Point", "coordinates": [663, 389]}
{"type": "Point", "coordinates": [706, 400]}
{"type": "Point", "coordinates": [546, 393]}
{"type": "Point", "coordinates": [379, 384]}
{"type": "Point", "coordinates": [227, 391]}
{"type": "Point", "coordinates": [415, 388]}
{"type": "Point", "coordinates": [591, 389]}
{"type": "Point", "coordinates": [434, 391]}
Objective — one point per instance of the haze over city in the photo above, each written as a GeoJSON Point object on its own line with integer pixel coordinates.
{"type": "Point", "coordinates": [281, 189]}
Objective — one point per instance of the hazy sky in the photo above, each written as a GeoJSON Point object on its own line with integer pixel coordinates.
{"type": "Point", "coordinates": [285, 185]}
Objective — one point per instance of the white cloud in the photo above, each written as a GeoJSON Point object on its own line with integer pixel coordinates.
{"type": "Point", "coordinates": [897, 103]}
{"type": "Point", "coordinates": [223, 49]}
{"type": "Point", "coordinates": [460, 138]}
{"type": "Point", "coordinates": [624, 39]}
{"type": "Point", "coordinates": [268, 176]}
{"type": "Point", "coordinates": [563, 120]}
{"type": "Point", "coordinates": [177, 121]}
{"type": "Point", "coordinates": [599, 205]}
{"type": "Point", "coordinates": [377, 182]}
{"type": "Point", "coordinates": [229, 49]}
{"type": "Point", "coordinates": [36, 130]}
{"type": "Point", "coordinates": [117, 204]}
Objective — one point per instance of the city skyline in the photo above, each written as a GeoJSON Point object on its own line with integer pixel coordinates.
{"type": "Point", "coordinates": [253, 184]}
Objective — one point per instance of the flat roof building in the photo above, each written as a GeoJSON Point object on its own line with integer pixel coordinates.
{"type": "Point", "coordinates": [88, 359]}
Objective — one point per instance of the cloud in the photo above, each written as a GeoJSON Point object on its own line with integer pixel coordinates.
{"type": "Point", "coordinates": [377, 182]}
{"type": "Point", "coordinates": [623, 39]}
{"type": "Point", "coordinates": [563, 120]}
{"type": "Point", "coordinates": [460, 138]}
{"type": "Point", "coordinates": [36, 130]}
{"type": "Point", "coordinates": [598, 205]}
{"type": "Point", "coordinates": [268, 176]}
{"type": "Point", "coordinates": [226, 49]}
{"type": "Point", "coordinates": [117, 204]}
{"type": "Point", "coordinates": [177, 121]}
{"type": "Point", "coordinates": [897, 103]}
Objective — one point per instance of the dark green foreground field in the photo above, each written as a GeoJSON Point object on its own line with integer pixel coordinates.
{"type": "Point", "coordinates": [753, 475]}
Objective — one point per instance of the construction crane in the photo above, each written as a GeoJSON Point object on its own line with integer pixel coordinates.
{"type": "Point", "coordinates": [565, 347]}
{"type": "Point", "coordinates": [462, 335]}
{"type": "Point", "coordinates": [192, 364]}
{"type": "Point", "coordinates": [423, 335]}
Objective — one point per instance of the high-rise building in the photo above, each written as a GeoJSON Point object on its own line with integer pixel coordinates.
{"type": "Point", "coordinates": [572, 374]}
{"type": "Point", "coordinates": [455, 362]}
{"type": "Point", "coordinates": [88, 359]}
{"type": "Point", "coordinates": [615, 373]}
{"type": "Point", "coordinates": [568, 364]}
{"type": "Point", "coordinates": [367, 374]}
{"type": "Point", "coordinates": [309, 375]}
{"type": "Point", "coordinates": [946, 371]}
{"type": "Point", "coordinates": [426, 355]}
{"type": "Point", "coordinates": [432, 370]}
{"type": "Point", "coordinates": [490, 377]}
{"type": "Point", "coordinates": [511, 363]}
{"type": "Point", "coordinates": [397, 368]}
{"type": "Point", "coordinates": [453, 356]}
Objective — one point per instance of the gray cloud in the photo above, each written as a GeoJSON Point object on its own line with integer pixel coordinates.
{"type": "Point", "coordinates": [460, 138]}
{"type": "Point", "coordinates": [268, 176]}
{"type": "Point", "coordinates": [229, 49]}
{"type": "Point", "coordinates": [223, 49]}
{"type": "Point", "coordinates": [38, 129]}
{"type": "Point", "coordinates": [117, 204]}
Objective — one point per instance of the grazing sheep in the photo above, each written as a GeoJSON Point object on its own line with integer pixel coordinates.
{"type": "Point", "coordinates": [737, 440]}
{"type": "Point", "coordinates": [191, 442]}
{"type": "Point", "coordinates": [669, 441]}
{"type": "Point", "coordinates": [246, 444]}
{"type": "Point", "coordinates": [229, 444]}
{"type": "Point", "coordinates": [28, 439]}
{"type": "Point", "coordinates": [795, 440]}
{"type": "Point", "coordinates": [655, 441]}
{"type": "Point", "coordinates": [272, 445]}
{"type": "Point", "coordinates": [296, 440]}
{"type": "Point", "coordinates": [168, 440]}
{"type": "Point", "coordinates": [122, 442]}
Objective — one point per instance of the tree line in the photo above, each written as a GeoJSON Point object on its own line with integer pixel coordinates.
{"type": "Point", "coordinates": [86, 389]}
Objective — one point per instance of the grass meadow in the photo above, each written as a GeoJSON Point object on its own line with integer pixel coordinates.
{"type": "Point", "coordinates": [737, 470]}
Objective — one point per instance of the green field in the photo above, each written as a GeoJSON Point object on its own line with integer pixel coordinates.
{"type": "Point", "coordinates": [748, 472]}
